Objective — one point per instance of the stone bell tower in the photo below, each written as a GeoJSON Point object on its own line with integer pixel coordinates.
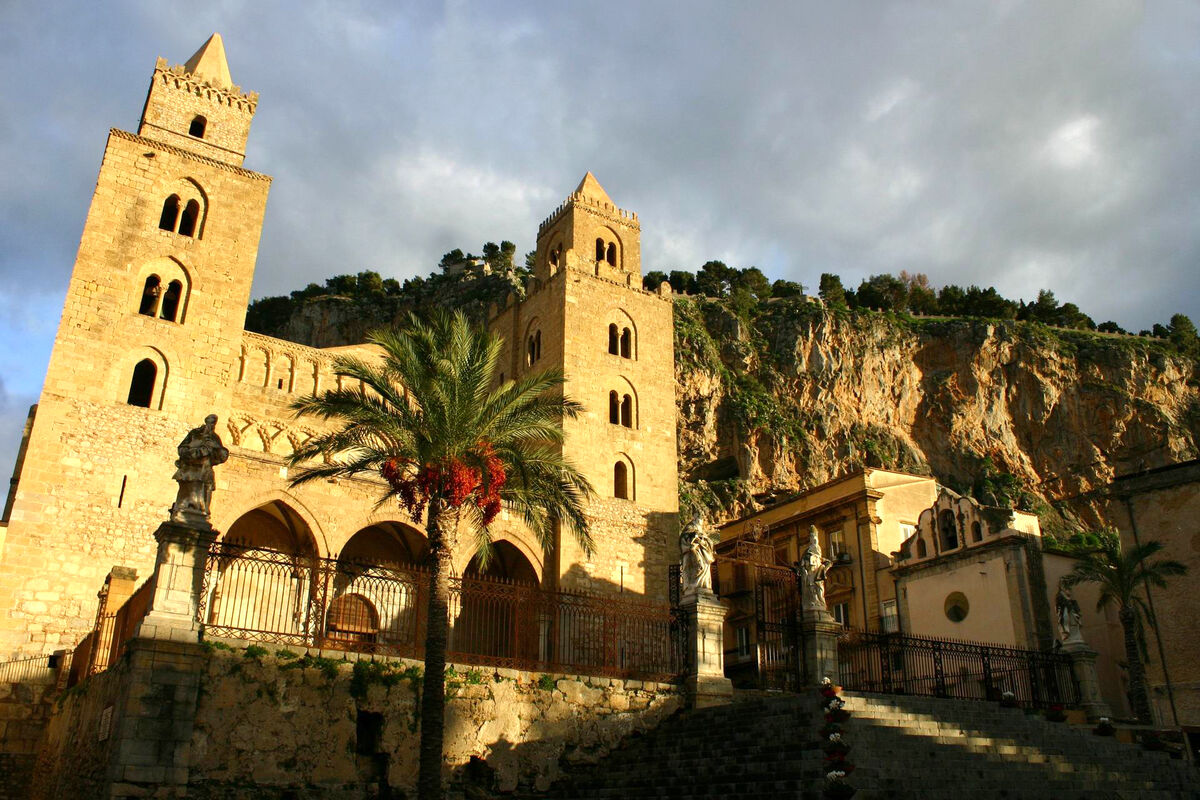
{"type": "Point", "coordinates": [147, 345]}
{"type": "Point", "coordinates": [586, 313]}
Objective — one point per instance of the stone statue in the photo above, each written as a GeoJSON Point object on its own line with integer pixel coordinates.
{"type": "Point", "coordinates": [813, 567]}
{"type": "Point", "coordinates": [1068, 614]}
{"type": "Point", "coordinates": [695, 556]}
{"type": "Point", "coordinates": [199, 452]}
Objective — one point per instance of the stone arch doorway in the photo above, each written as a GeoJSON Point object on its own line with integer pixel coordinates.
{"type": "Point", "coordinates": [498, 609]}
{"type": "Point", "coordinates": [376, 588]}
{"type": "Point", "coordinates": [263, 579]}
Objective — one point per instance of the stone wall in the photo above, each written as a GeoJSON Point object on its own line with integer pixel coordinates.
{"type": "Point", "coordinates": [278, 723]}
{"type": "Point", "coordinates": [26, 700]}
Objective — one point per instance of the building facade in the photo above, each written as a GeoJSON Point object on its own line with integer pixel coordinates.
{"type": "Point", "coordinates": [152, 340]}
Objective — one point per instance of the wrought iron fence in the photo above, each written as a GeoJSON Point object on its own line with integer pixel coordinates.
{"type": "Point", "coordinates": [304, 601]}
{"type": "Point", "coordinates": [35, 669]}
{"type": "Point", "coordinates": [894, 663]}
{"type": "Point", "coordinates": [112, 630]}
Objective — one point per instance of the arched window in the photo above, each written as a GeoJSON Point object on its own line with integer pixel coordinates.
{"type": "Point", "coordinates": [627, 411]}
{"type": "Point", "coordinates": [613, 340]}
{"type": "Point", "coordinates": [170, 213]}
{"type": "Point", "coordinates": [352, 618]}
{"type": "Point", "coordinates": [614, 409]}
{"type": "Point", "coordinates": [599, 249]}
{"type": "Point", "coordinates": [621, 481]}
{"type": "Point", "coordinates": [611, 254]}
{"type": "Point", "coordinates": [922, 550]}
{"type": "Point", "coordinates": [530, 352]}
{"type": "Point", "coordinates": [626, 343]}
{"type": "Point", "coordinates": [170, 303]}
{"type": "Point", "coordinates": [197, 127]}
{"type": "Point", "coordinates": [948, 529]}
{"type": "Point", "coordinates": [187, 222]}
{"type": "Point", "coordinates": [537, 346]}
{"type": "Point", "coordinates": [141, 388]}
{"type": "Point", "coordinates": [976, 531]}
{"type": "Point", "coordinates": [150, 293]}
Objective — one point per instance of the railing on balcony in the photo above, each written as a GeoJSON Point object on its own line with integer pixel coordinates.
{"type": "Point", "coordinates": [305, 601]}
{"type": "Point", "coordinates": [893, 663]}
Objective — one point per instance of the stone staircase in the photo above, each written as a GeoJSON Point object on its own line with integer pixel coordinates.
{"type": "Point", "coordinates": [766, 747]}
{"type": "Point", "coordinates": [763, 748]}
{"type": "Point", "coordinates": [918, 747]}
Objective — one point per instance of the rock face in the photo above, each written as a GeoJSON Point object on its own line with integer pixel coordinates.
{"type": "Point", "coordinates": [785, 395]}
{"type": "Point", "coordinates": [791, 395]}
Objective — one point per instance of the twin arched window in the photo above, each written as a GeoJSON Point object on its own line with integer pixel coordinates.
{"type": "Point", "coordinates": [184, 222]}
{"type": "Point", "coordinates": [620, 410]}
{"type": "Point", "coordinates": [620, 341]}
{"type": "Point", "coordinates": [159, 302]}
{"type": "Point", "coordinates": [606, 251]}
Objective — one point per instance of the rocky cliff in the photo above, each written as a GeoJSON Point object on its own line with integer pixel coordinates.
{"type": "Point", "coordinates": [787, 394]}
{"type": "Point", "coordinates": [784, 394]}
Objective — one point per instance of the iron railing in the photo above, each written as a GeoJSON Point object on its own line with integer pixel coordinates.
{"type": "Point", "coordinates": [35, 669]}
{"type": "Point", "coordinates": [339, 604]}
{"type": "Point", "coordinates": [894, 663]}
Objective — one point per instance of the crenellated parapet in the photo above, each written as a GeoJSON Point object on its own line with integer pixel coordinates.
{"type": "Point", "coordinates": [178, 77]}
{"type": "Point", "coordinates": [601, 208]}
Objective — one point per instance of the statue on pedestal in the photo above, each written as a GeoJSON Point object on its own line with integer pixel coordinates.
{"type": "Point", "coordinates": [1068, 614]}
{"type": "Point", "coordinates": [813, 567]}
{"type": "Point", "coordinates": [199, 452]}
{"type": "Point", "coordinates": [695, 557]}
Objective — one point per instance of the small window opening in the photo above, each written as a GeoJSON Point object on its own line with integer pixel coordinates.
{"type": "Point", "coordinates": [621, 481]}
{"type": "Point", "coordinates": [611, 254]}
{"type": "Point", "coordinates": [197, 127]}
{"type": "Point", "coordinates": [976, 531]}
{"type": "Point", "coordinates": [368, 733]}
{"type": "Point", "coordinates": [626, 343]}
{"type": "Point", "coordinates": [627, 411]}
{"type": "Point", "coordinates": [599, 249]}
{"type": "Point", "coordinates": [501, 378]}
{"type": "Point", "coordinates": [187, 222]}
{"type": "Point", "coordinates": [530, 351]}
{"type": "Point", "coordinates": [279, 384]}
{"type": "Point", "coordinates": [537, 349]}
{"type": "Point", "coordinates": [614, 409]}
{"type": "Point", "coordinates": [948, 528]}
{"type": "Point", "coordinates": [170, 303]}
{"type": "Point", "coordinates": [141, 388]}
{"type": "Point", "coordinates": [613, 340]}
{"type": "Point", "coordinates": [170, 213]}
{"type": "Point", "coordinates": [922, 550]}
{"type": "Point", "coordinates": [150, 293]}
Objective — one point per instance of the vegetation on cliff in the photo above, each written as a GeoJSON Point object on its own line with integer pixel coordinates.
{"type": "Point", "coordinates": [1025, 404]}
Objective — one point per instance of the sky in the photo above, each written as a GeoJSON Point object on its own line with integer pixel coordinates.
{"type": "Point", "coordinates": [1022, 145]}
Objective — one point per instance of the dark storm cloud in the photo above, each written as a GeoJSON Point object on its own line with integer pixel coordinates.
{"type": "Point", "coordinates": [1022, 145]}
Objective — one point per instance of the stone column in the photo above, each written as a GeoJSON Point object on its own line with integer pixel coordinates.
{"type": "Point", "coordinates": [819, 634]}
{"type": "Point", "coordinates": [1083, 664]}
{"type": "Point", "coordinates": [705, 682]}
{"type": "Point", "coordinates": [178, 581]}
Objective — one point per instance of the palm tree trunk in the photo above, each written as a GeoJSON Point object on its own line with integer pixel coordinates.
{"type": "Point", "coordinates": [1138, 695]}
{"type": "Point", "coordinates": [442, 533]}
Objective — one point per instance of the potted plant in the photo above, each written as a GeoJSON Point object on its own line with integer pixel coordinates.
{"type": "Point", "coordinates": [1104, 728]}
{"type": "Point", "coordinates": [836, 786]}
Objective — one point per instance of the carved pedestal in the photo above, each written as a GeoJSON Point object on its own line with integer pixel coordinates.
{"type": "Point", "coordinates": [178, 581]}
{"type": "Point", "coordinates": [819, 634]}
{"type": "Point", "coordinates": [1083, 664]}
{"type": "Point", "coordinates": [705, 683]}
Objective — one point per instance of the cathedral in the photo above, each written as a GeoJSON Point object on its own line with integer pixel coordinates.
{"type": "Point", "coordinates": [152, 341]}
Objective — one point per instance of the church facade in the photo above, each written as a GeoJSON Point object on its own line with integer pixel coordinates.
{"type": "Point", "coordinates": [152, 341]}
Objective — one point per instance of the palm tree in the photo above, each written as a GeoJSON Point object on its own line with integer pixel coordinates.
{"type": "Point", "coordinates": [1119, 575]}
{"type": "Point", "coordinates": [430, 422]}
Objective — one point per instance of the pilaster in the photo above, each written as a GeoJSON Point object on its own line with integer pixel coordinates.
{"type": "Point", "coordinates": [705, 683]}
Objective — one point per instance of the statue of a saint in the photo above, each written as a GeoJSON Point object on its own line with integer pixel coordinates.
{"type": "Point", "coordinates": [813, 567]}
{"type": "Point", "coordinates": [695, 556]}
{"type": "Point", "coordinates": [1068, 614]}
{"type": "Point", "coordinates": [199, 452]}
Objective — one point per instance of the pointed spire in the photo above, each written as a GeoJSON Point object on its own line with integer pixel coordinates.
{"type": "Point", "coordinates": [591, 188]}
{"type": "Point", "coordinates": [209, 64]}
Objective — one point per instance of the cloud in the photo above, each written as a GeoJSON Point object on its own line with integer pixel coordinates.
{"type": "Point", "coordinates": [1021, 145]}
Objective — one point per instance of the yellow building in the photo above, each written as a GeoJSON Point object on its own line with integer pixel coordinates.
{"type": "Point", "coordinates": [152, 340]}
